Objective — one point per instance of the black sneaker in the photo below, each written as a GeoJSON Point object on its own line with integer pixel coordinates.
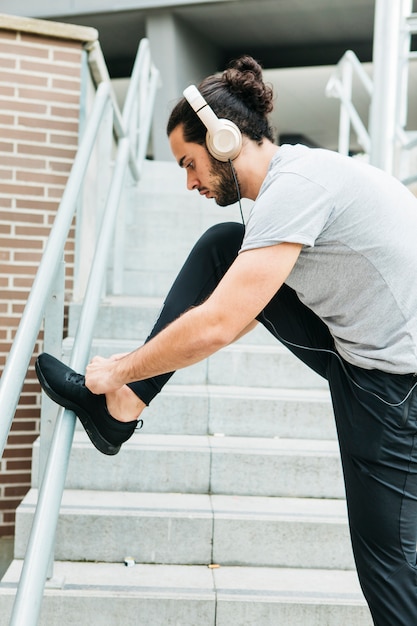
{"type": "Point", "coordinates": [67, 388]}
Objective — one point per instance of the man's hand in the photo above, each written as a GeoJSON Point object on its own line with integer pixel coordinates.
{"type": "Point", "coordinates": [101, 374]}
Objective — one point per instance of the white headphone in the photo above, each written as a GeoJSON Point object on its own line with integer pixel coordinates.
{"type": "Point", "coordinates": [223, 139]}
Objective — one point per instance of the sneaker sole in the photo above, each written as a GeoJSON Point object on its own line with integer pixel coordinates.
{"type": "Point", "coordinates": [94, 435]}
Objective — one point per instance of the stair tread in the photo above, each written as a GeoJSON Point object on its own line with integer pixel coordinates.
{"type": "Point", "coordinates": [220, 443]}
{"type": "Point", "coordinates": [301, 585]}
{"type": "Point", "coordinates": [83, 501]}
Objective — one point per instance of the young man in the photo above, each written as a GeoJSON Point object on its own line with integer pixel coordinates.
{"type": "Point", "coordinates": [326, 263]}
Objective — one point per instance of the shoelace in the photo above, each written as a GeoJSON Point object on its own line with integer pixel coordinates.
{"type": "Point", "coordinates": [75, 378]}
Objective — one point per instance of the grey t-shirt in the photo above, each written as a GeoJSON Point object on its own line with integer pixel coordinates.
{"type": "Point", "coordinates": [358, 266]}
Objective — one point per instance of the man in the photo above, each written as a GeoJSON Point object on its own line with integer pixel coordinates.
{"type": "Point", "coordinates": [326, 263]}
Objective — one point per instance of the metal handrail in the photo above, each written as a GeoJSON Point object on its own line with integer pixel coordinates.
{"type": "Point", "coordinates": [34, 573]}
{"type": "Point", "coordinates": [340, 86]}
{"type": "Point", "coordinates": [21, 351]}
{"type": "Point", "coordinates": [387, 141]}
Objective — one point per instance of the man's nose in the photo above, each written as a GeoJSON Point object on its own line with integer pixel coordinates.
{"type": "Point", "coordinates": [192, 180]}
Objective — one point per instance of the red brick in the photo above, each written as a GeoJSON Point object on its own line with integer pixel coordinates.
{"type": "Point", "coordinates": [8, 35]}
{"type": "Point", "coordinates": [23, 135]}
{"type": "Point", "coordinates": [11, 452]}
{"type": "Point", "coordinates": [19, 465]}
{"type": "Point", "coordinates": [64, 112]}
{"type": "Point", "coordinates": [48, 124]}
{"type": "Point", "coordinates": [16, 491]}
{"type": "Point", "coordinates": [10, 517]}
{"type": "Point", "coordinates": [6, 174]}
{"type": "Point", "coordinates": [23, 162]}
{"type": "Point", "coordinates": [68, 56]}
{"type": "Point", "coordinates": [43, 205]}
{"type": "Point", "coordinates": [8, 504]}
{"type": "Point", "coordinates": [21, 216]}
{"type": "Point", "coordinates": [6, 90]}
{"type": "Point", "coordinates": [20, 439]}
{"type": "Point", "coordinates": [45, 179]}
{"type": "Point", "coordinates": [60, 166]}
{"type": "Point", "coordinates": [6, 531]}
{"type": "Point", "coordinates": [6, 146]}
{"type": "Point", "coordinates": [25, 283]}
{"type": "Point", "coordinates": [60, 153]}
{"type": "Point", "coordinates": [50, 68]}
{"type": "Point", "coordinates": [20, 243]}
{"type": "Point", "coordinates": [28, 257]}
{"type": "Point", "coordinates": [8, 63]}
{"type": "Point", "coordinates": [13, 295]}
{"type": "Point", "coordinates": [15, 478]}
{"type": "Point", "coordinates": [7, 119]}
{"type": "Point", "coordinates": [16, 105]}
{"type": "Point", "coordinates": [55, 192]}
{"type": "Point", "coordinates": [47, 95]}
{"type": "Point", "coordinates": [66, 84]}
{"type": "Point", "coordinates": [24, 50]}
{"type": "Point", "coordinates": [17, 78]}
{"type": "Point", "coordinates": [70, 140]}
{"type": "Point", "coordinates": [12, 268]}
{"type": "Point", "coordinates": [22, 190]}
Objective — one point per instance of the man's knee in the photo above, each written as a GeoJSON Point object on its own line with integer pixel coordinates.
{"type": "Point", "coordinates": [228, 234]}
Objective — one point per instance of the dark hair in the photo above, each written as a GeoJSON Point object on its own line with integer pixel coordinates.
{"type": "Point", "coordinates": [238, 94]}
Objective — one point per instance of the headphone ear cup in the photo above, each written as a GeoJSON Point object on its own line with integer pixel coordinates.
{"type": "Point", "coordinates": [225, 142]}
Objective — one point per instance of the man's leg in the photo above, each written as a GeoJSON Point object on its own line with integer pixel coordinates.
{"type": "Point", "coordinates": [111, 419]}
{"type": "Point", "coordinates": [378, 446]}
{"type": "Point", "coordinates": [205, 266]}
{"type": "Point", "coordinates": [377, 431]}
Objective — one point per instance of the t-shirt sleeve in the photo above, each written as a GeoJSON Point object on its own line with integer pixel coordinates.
{"type": "Point", "coordinates": [291, 209]}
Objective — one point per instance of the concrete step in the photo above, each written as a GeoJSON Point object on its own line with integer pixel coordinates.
{"type": "Point", "coordinates": [164, 220]}
{"type": "Point", "coordinates": [203, 464]}
{"type": "Point", "coordinates": [130, 319]}
{"type": "Point", "coordinates": [246, 365]}
{"type": "Point", "coordinates": [241, 412]}
{"type": "Point", "coordinates": [195, 529]}
{"type": "Point", "coordinates": [168, 595]}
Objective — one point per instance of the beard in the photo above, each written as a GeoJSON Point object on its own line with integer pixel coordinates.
{"type": "Point", "coordinates": [225, 188]}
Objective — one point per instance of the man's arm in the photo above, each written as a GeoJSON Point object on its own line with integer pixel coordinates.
{"type": "Point", "coordinates": [245, 290]}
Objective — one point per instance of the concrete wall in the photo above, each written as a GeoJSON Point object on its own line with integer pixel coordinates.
{"type": "Point", "coordinates": [182, 57]}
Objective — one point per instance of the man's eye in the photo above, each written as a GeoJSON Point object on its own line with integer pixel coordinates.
{"type": "Point", "coordinates": [190, 165]}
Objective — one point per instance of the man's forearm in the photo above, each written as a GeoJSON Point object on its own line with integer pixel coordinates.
{"type": "Point", "coordinates": [188, 340]}
{"type": "Point", "coordinates": [229, 312]}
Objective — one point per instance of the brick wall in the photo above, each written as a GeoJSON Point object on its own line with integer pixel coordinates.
{"type": "Point", "coordinates": [39, 113]}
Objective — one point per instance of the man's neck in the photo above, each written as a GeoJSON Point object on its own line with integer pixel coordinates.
{"type": "Point", "coordinates": [252, 166]}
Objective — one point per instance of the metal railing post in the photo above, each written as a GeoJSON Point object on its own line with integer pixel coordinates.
{"type": "Point", "coordinates": [344, 120]}
{"type": "Point", "coordinates": [28, 599]}
{"type": "Point", "coordinates": [384, 109]}
{"type": "Point", "coordinates": [340, 86]}
{"type": "Point", "coordinates": [52, 343]}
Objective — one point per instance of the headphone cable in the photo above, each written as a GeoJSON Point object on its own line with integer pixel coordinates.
{"type": "Point", "coordinates": [238, 191]}
{"type": "Point", "coordinates": [339, 358]}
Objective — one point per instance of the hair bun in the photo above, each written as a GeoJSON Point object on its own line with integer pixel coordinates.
{"type": "Point", "coordinates": [244, 78]}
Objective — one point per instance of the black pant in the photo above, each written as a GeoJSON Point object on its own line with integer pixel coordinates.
{"type": "Point", "coordinates": [376, 424]}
